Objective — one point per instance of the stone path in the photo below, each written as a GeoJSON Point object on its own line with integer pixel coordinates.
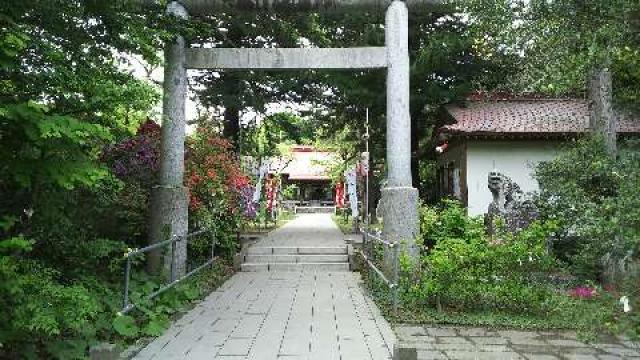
{"type": "Point", "coordinates": [282, 315]}
{"type": "Point", "coordinates": [310, 242]}
{"type": "Point", "coordinates": [480, 343]}
{"type": "Point", "coordinates": [326, 315]}
{"type": "Point", "coordinates": [305, 230]}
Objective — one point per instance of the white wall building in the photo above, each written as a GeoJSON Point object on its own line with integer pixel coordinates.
{"type": "Point", "coordinates": [508, 136]}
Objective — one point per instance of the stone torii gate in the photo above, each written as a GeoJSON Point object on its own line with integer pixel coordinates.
{"type": "Point", "coordinates": [169, 212]}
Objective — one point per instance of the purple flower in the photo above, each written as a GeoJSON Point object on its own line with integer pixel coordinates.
{"type": "Point", "coordinates": [119, 169]}
{"type": "Point", "coordinates": [250, 209]}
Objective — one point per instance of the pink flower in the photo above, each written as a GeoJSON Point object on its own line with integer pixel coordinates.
{"type": "Point", "coordinates": [583, 292]}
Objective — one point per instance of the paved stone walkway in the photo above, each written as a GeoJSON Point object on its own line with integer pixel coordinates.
{"type": "Point", "coordinates": [282, 315]}
{"type": "Point", "coordinates": [479, 343]}
{"type": "Point", "coordinates": [305, 230]}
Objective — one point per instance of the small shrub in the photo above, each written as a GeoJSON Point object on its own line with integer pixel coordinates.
{"type": "Point", "coordinates": [39, 311]}
{"type": "Point", "coordinates": [220, 196]}
{"type": "Point", "coordinates": [464, 271]}
{"type": "Point", "coordinates": [448, 221]}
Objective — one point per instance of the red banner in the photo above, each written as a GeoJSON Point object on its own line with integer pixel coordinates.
{"type": "Point", "coordinates": [339, 195]}
{"type": "Point", "coordinates": [272, 190]}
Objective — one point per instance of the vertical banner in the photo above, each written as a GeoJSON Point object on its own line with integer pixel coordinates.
{"type": "Point", "coordinates": [351, 180]}
{"type": "Point", "coordinates": [363, 171]}
{"type": "Point", "coordinates": [362, 167]}
{"type": "Point", "coordinates": [272, 193]}
{"type": "Point", "coordinates": [339, 195]}
{"type": "Point", "coordinates": [262, 172]}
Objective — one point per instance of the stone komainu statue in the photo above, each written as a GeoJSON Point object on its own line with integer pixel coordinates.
{"type": "Point", "coordinates": [510, 204]}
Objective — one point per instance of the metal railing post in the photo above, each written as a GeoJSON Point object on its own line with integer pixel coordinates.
{"type": "Point", "coordinates": [127, 305]}
{"type": "Point", "coordinates": [173, 260]}
{"type": "Point", "coordinates": [394, 290]}
{"type": "Point", "coordinates": [365, 250]}
{"type": "Point", "coordinates": [127, 272]}
{"type": "Point", "coordinates": [213, 244]}
{"type": "Point", "coordinates": [372, 249]}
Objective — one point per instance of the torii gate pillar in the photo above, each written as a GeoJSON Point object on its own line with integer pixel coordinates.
{"type": "Point", "coordinates": [399, 198]}
{"type": "Point", "coordinates": [169, 200]}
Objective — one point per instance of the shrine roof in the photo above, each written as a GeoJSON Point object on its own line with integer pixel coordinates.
{"type": "Point", "coordinates": [527, 116]}
{"type": "Point", "coordinates": [307, 163]}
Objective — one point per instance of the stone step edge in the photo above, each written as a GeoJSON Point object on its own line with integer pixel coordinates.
{"type": "Point", "coordinates": [297, 250]}
{"type": "Point", "coordinates": [296, 258]}
{"type": "Point", "coordinates": [275, 266]}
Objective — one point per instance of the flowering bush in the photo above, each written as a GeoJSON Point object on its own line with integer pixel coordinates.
{"type": "Point", "coordinates": [583, 292]}
{"type": "Point", "coordinates": [220, 193]}
{"type": "Point", "coordinates": [136, 158]}
{"type": "Point", "coordinates": [213, 174]}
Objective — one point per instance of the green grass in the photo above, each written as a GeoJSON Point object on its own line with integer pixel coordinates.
{"type": "Point", "coordinates": [345, 223]}
{"type": "Point", "coordinates": [590, 318]}
{"type": "Point", "coordinates": [265, 227]}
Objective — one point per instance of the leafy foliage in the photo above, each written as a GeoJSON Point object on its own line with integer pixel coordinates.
{"type": "Point", "coordinates": [275, 134]}
{"type": "Point", "coordinates": [218, 196]}
{"type": "Point", "coordinates": [466, 278]}
{"type": "Point", "coordinates": [553, 46]}
{"type": "Point", "coordinates": [464, 270]}
{"type": "Point", "coordinates": [450, 221]}
{"type": "Point", "coordinates": [75, 178]}
{"type": "Point", "coordinates": [595, 201]}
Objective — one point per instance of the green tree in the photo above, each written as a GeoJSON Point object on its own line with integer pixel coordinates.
{"type": "Point", "coordinates": [556, 45]}
{"type": "Point", "coordinates": [63, 96]}
{"type": "Point", "coordinates": [233, 92]}
{"type": "Point", "coordinates": [593, 198]}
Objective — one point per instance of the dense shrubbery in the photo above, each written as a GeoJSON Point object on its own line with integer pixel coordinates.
{"type": "Point", "coordinates": [465, 270]}
{"type": "Point", "coordinates": [220, 194]}
{"type": "Point", "coordinates": [549, 274]}
{"type": "Point", "coordinates": [595, 200]}
{"type": "Point", "coordinates": [467, 278]}
{"type": "Point", "coordinates": [61, 261]}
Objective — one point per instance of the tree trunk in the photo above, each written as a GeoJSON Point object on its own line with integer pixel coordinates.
{"type": "Point", "coordinates": [231, 127]}
{"type": "Point", "coordinates": [603, 119]}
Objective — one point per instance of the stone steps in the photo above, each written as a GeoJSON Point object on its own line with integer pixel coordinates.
{"type": "Point", "coordinates": [293, 259]}
{"type": "Point", "coordinates": [332, 267]}
{"type": "Point", "coordinates": [290, 258]}
{"type": "Point", "coordinates": [315, 210]}
{"type": "Point", "coordinates": [303, 250]}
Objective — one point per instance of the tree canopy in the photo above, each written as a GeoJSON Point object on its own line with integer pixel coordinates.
{"type": "Point", "coordinates": [554, 46]}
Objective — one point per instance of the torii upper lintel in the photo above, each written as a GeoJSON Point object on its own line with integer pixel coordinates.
{"type": "Point", "coordinates": [210, 7]}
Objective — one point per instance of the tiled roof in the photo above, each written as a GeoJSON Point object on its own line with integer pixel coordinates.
{"type": "Point", "coordinates": [532, 117]}
{"type": "Point", "coordinates": [306, 163]}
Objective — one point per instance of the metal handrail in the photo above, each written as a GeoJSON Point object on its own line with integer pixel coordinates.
{"type": "Point", "coordinates": [366, 252]}
{"type": "Point", "coordinates": [377, 238]}
{"type": "Point", "coordinates": [126, 304]}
